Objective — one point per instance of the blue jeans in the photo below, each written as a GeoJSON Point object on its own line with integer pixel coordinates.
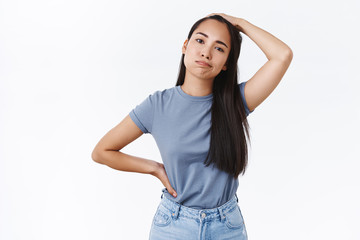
{"type": "Point", "coordinates": [177, 222]}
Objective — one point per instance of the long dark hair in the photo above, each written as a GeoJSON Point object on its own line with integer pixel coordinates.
{"type": "Point", "coordinates": [228, 146]}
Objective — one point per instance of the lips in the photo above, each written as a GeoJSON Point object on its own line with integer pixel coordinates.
{"type": "Point", "coordinates": [202, 63]}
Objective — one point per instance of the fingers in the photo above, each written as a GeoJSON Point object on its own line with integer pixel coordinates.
{"type": "Point", "coordinates": [221, 14]}
{"type": "Point", "coordinates": [211, 14]}
{"type": "Point", "coordinates": [165, 180]}
{"type": "Point", "coordinates": [171, 190]}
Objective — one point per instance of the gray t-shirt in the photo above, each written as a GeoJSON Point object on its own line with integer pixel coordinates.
{"type": "Point", "coordinates": [180, 125]}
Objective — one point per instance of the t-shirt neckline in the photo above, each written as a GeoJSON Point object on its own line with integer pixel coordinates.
{"type": "Point", "coordinates": [193, 98]}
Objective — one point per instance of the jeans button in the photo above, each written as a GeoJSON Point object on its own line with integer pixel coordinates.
{"type": "Point", "coordinates": [203, 215]}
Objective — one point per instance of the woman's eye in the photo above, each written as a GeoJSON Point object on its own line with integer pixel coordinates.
{"type": "Point", "coordinates": [221, 50]}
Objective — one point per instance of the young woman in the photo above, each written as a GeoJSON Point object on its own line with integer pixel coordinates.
{"type": "Point", "coordinates": [201, 129]}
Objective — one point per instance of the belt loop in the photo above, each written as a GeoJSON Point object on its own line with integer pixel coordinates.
{"type": "Point", "coordinates": [237, 199]}
{"type": "Point", "coordinates": [163, 190]}
{"type": "Point", "coordinates": [175, 211]}
{"type": "Point", "coordinates": [222, 216]}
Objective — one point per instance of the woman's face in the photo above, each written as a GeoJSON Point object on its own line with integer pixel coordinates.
{"type": "Point", "coordinates": [210, 43]}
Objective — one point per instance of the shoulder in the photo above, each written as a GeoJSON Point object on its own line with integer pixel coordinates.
{"type": "Point", "coordinates": [162, 95]}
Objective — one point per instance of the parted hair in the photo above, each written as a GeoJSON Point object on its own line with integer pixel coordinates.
{"type": "Point", "coordinates": [228, 149]}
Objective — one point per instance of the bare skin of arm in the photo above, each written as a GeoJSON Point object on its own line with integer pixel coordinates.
{"type": "Point", "coordinates": [279, 56]}
{"type": "Point", "coordinates": [107, 152]}
{"type": "Point", "coordinates": [266, 79]}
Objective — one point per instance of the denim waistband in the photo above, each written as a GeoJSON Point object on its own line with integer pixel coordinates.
{"type": "Point", "coordinates": [178, 209]}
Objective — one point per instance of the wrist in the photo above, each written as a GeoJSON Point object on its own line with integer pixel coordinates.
{"type": "Point", "coordinates": [240, 23]}
{"type": "Point", "coordinates": [155, 166]}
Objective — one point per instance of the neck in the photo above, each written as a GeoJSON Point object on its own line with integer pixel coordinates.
{"type": "Point", "coordinates": [197, 86]}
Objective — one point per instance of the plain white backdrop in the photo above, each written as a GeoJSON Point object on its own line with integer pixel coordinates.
{"type": "Point", "coordinates": [72, 70]}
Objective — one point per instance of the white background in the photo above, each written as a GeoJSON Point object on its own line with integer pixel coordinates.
{"type": "Point", "coordinates": [72, 70]}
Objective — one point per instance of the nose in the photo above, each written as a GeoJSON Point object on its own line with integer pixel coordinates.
{"type": "Point", "coordinates": [205, 52]}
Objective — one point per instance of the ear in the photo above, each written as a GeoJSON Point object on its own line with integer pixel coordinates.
{"type": "Point", "coordinates": [184, 46]}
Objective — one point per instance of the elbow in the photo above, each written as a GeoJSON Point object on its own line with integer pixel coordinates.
{"type": "Point", "coordinates": [288, 56]}
{"type": "Point", "coordinates": [96, 156]}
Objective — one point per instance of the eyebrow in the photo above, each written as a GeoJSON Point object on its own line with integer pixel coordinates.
{"type": "Point", "coordinates": [218, 41]}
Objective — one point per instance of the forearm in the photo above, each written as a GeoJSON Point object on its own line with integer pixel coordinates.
{"type": "Point", "coordinates": [125, 162]}
{"type": "Point", "coordinates": [272, 47]}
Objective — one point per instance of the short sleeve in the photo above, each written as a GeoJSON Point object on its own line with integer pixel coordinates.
{"type": "Point", "coordinates": [242, 92]}
{"type": "Point", "coordinates": [143, 114]}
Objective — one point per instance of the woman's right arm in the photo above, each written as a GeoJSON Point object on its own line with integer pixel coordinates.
{"type": "Point", "coordinates": [107, 152]}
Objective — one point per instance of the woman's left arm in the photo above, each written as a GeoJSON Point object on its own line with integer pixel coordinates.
{"type": "Point", "coordinates": [279, 56]}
